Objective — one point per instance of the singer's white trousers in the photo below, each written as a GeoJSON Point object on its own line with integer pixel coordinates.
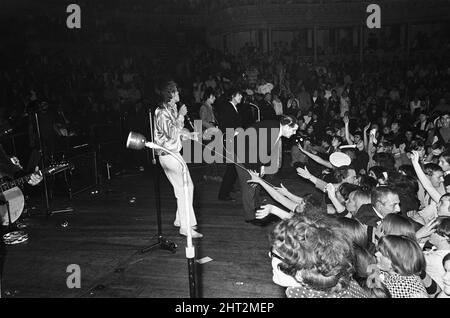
{"type": "Point", "coordinates": [174, 172]}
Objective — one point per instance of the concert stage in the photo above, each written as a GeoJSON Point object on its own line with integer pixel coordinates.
{"type": "Point", "coordinates": [105, 232]}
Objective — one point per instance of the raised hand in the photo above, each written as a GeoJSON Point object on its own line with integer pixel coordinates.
{"type": "Point", "coordinates": [346, 120]}
{"type": "Point", "coordinates": [426, 230]}
{"type": "Point", "coordinates": [255, 178]}
{"type": "Point", "coordinates": [367, 127]}
{"type": "Point", "coordinates": [415, 156]}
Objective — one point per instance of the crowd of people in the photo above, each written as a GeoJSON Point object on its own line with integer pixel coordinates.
{"type": "Point", "coordinates": [383, 228]}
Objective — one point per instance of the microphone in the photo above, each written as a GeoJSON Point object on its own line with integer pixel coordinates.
{"type": "Point", "coordinates": [187, 117]}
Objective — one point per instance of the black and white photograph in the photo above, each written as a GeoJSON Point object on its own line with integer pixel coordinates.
{"type": "Point", "coordinates": [225, 155]}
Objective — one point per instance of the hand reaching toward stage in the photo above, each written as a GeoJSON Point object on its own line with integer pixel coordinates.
{"type": "Point", "coordinates": [426, 230]}
{"type": "Point", "coordinates": [35, 178]}
{"type": "Point", "coordinates": [267, 209]}
{"type": "Point", "coordinates": [255, 178]}
{"type": "Point", "coordinates": [304, 173]}
{"type": "Point", "coordinates": [282, 189]}
{"type": "Point", "coordinates": [264, 211]}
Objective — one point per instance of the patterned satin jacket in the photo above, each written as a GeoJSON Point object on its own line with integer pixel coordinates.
{"type": "Point", "coordinates": [168, 126]}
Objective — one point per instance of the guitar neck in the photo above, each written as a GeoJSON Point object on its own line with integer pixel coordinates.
{"type": "Point", "coordinates": [20, 181]}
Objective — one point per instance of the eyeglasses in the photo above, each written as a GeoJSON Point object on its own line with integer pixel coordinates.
{"type": "Point", "coordinates": [272, 255]}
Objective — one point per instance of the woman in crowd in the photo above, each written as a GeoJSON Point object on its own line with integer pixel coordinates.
{"type": "Point", "coordinates": [317, 255]}
{"type": "Point", "coordinates": [401, 261]}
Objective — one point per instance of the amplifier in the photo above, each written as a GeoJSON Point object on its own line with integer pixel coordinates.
{"type": "Point", "coordinates": [84, 174]}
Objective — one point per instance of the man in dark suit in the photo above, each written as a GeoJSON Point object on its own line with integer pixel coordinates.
{"type": "Point", "coordinates": [384, 200]}
{"type": "Point", "coordinates": [259, 148]}
{"type": "Point", "coordinates": [229, 117]}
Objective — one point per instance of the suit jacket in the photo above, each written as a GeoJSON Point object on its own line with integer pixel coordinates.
{"type": "Point", "coordinates": [228, 117]}
{"type": "Point", "coordinates": [265, 149]}
{"type": "Point", "coordinates": [367, 215]}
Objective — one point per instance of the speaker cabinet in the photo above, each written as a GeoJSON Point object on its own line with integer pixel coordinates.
{"type": "Point", "coordinates": [84, 174]}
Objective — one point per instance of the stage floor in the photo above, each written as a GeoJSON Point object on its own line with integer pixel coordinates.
{"type": "Point", "coordinates": [106, 231]}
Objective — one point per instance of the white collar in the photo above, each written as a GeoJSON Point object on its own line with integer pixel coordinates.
{"type": "Point", "coordinates": [377, 213]}
{"type": "Point", "coordinates": [279, 135]}
{"type": "Point", "coordinates": [235, 107]}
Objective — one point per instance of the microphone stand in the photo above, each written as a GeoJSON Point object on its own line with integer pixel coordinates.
{"type": "Point", "coordinates": [190, 250]}
{"type": "Point", "coordinates": [162, 243]}
{"type": "Point", "coordinates": [41, 154]}
{"type": "Point", "coordinates": [49, 212]}
{"type": "Point", "coordinates": [257, 110]}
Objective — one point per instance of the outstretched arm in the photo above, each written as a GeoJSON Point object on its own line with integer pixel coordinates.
{"type": "Point", "coordinates": [267, 209]}
{"type": "Point", "coordinates": [288, 194]}
{"type": "Point", "coordinates": [426, 183]}
{"type": "Point", "coordinates": [347, 131]}
{"type": "Point", "coordinates": [366, 141]}
{"type": "Point", "coordinates": [304, 173]}
{"type": "Point", "coordinates": [289, 204]}
{"type": "Point", "coordinates": [331, 191]}
{"type": "Point", "coordinates": [316, 158]}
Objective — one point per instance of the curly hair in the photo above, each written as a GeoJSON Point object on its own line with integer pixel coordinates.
{"type": "Point", "coordinates": [314, 248]}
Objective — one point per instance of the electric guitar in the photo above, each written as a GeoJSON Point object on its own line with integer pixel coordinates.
{"type": "Point", "coordinates": [13, 196]}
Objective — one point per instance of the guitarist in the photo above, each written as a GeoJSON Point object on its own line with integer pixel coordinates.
{"type": "Point", "coordinates": [10, 167]}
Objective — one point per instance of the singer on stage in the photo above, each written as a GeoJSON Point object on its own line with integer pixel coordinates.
{"type": "Point", "coordinates": [169, 124]}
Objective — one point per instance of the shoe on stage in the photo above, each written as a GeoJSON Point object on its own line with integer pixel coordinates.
{"type": "Point", "coordinates": [194, 234]}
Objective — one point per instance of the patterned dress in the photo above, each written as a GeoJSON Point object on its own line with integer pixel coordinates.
{"type": "Point", "coordinates": [352, 291]}
{"type": "Point", "coordinates": [404, 286]}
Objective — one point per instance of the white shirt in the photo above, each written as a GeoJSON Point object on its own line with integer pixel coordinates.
{"type": "Point", "coordinates": [235, 108]}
